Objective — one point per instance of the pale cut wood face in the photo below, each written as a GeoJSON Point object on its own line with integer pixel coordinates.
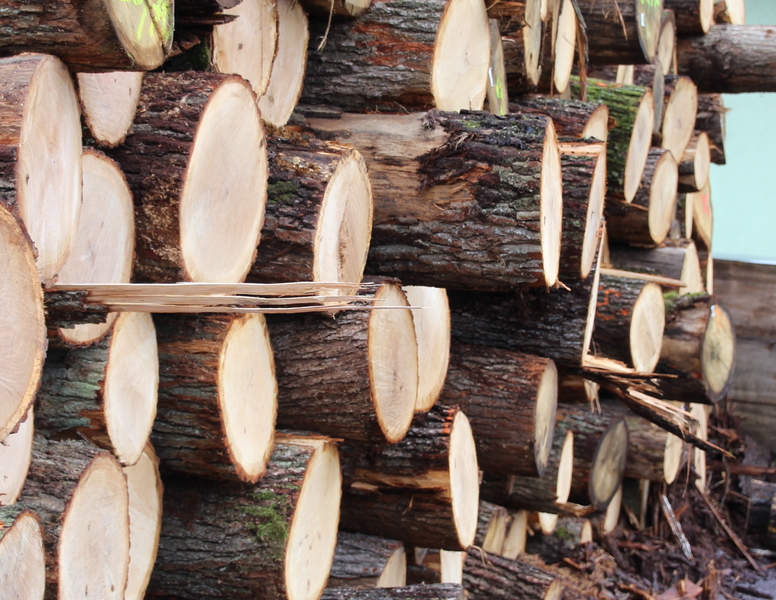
{"type": "Point", "coordinates": [672, 458]}
{"type": "Point", "coordinates": [718, 350]}
{"type": "Point", "coordinates": [544, 416]}
{"type": "Point", "coordinates": [638, 148]}
{"type": "Point", "coordinates": [662, 197]}
{"type": "Point", "coordinates": [464, 479]}
{"type": "Point", "coordinates": [395, 570]}
{"type": "Point", "coordinates": [551, 206]}
{"type": "Point", "coordinates": [22, 559]}
{"type": "Point", "coordinates": [15, 455]}
{"type": "Point", "coordinates": [646, 328]}
{"type": "Point", "coordinates": [608, 464]}
{"type": "Point", "coordinates": [144, 28]}
{"type": "Point", "coordinates": [679, 117]}
{"type": "Point", "coordinates": [109, 102]}
{"type": "Point", "coordinates": [565, 46]}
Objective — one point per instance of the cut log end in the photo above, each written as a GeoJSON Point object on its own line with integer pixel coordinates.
{"type": "Point", "coordinates": [145, 521]}
{"type": "Point", "coordinates": [109, 102]}
{"type": "Point", "coordinates": [649, 17]}
{"type": "Point", "coordinates": [514, 542]}
{"type": "Point", "coordinates": [701, 414]}
{"type": "Point", "coordinates": [730, 11]}
{"type": "Point", "coordinates": [22, 557]}
{"type": "Point", "coordinates": [23, 330]}
{"type": "Point", "coordinates": [345, 223]}
{"type": "Point", "coordinates": [706, 12]}
{"type": "Point", "coordinates": [15, 455]}
{"type": "Point", "coordinates": [93, 549]}
{"type": "Point", "coordinates": [288, 68]}
{"type": "Point", "coordinates": [551, 206]}
{"type": "Point", "coordinates": [547, 522]}
{"type": "Point", "coordinates": [666, 49]}
{"type": "Point", "coordinates": [595, 211]}
{"type": "Point", "coordinates": [464, 479]}
{"type": "Point", "coordinates": [718, 352]}
{"type": "Point", "coordinates": [597, 125]}
{"type": "Point", "coordinates": [224, 194]}
{"type": "Point", "coordinates": [679, 117]}
{"type": "Point", "coordinates": [672, 458]}
{"type": "Point", "coordinates": [612, 514]}
{"type": "Point", "coordinates": [459, 76]}
{"type": "Point", "coordinates": [145, 35]}
{"type": "Point", "coordinates": [565, 46]}
{"type": "Point", "coordinates": [432, 330]}
{"type": "Point", "coordinates": [608, 464]}
{"type": "Point", "coordinates": [544, 416]}
{"type": "Point", "coordinates": [592, 303]}
{"type": "Point", "coordinates": [701, 160]}
{"type": "Point", "coordinates": [313, 535]}
{"type": "Point", "coordinates": [646, 328]}
{"type": "Point", "coordinates": [638, 148]}
{"type": "Point", "coordinates": [48, 168]}
{"type": "Point", "coordinates": [104, 243]}
{"type": "Point", "coordinates": [247, 395]}
{"type": "Point", "coordinates": [393, 363]}
{"type": "Point", "coordinates": [662, 197]}
{"type": "Point", "coordinates": [532, 42]}
{"type": "Point", "coordinates": [691, 275]}
{"type": "Point", "coordinates": [395, 570]}
{"type": "Point", "coordinates": [131, 384]}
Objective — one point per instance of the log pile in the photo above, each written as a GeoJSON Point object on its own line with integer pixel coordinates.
{"type": "Point", "coordinates": [413, 427]}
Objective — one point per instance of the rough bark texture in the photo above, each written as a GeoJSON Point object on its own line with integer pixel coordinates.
{"type": "Point", "coordinates": [577, 185]}
{"type": "Point", "coordinates": [646, 450]}
{"type": "Point", "coordinates": [457, 196]}
{"type": "Point", "coordinates": [189, 433]}
{"type": "Point", "coordinates": [711, 119]}
{"type": "Point", "coordinates": [617, 297]}
{"type": "Point", "coordinates": [360, 559]}
{"type": "Point", "coordinates": [497, 390]}
{"type": "Point", "coordinates": [339, 8]}
{"type": "Point", "coordinates": [730, 59]}
{"type": "Point", "coordinates": [154, 158]}
{"type": "Point", "coordinates": [229, 541]}
{"type": "Point", "coordinates": [666, 260]}
{"type": "Point", "coordinates": [382, 60]}
{"type": "Point", "coordinates": [613, 35]}
{"type": "Point", "coordinates": [67, 309]}
{"type": "Point", "coordinates": [687, 14]}
{"type": "Point", "coordinates": [569, 116]}
{"type": "Point", "coordinates": [80, 32]}
{"type": "Point", "coordinates": [402, 491]}
{"type": "Point", "coordinates": [439, 591]}
{"type": "Point", "coordinates": [491, 577]}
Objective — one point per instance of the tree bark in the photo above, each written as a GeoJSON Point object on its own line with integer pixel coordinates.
{"type": "Point", "coordinates": [711, 119]}
{"type": "Point", "coordinates": [387, 59]}
{"type": "Point", "coordinates": [108, 103]}
{"type": "Point", "coordinates": [361, 561]}
{"type": "Point", "coordinates": [510, 400]}
{"type": "Point", "coordinates": [492, 524]}
{"type": "Point", "coordinates": [675, 259]}
{"type": "Point", "coordinates": [572, 118]}
{"type": "Point", "coordinates": [523, 38]}
{"type": "Point", "coordinates": [359, 370]}
{"type": "Point", "coordinates": [730, 59]}
{"type": "Point", "coordinates": [694, 167]}
{"type": "Point", "coordinates": [490, 577]}
{"type": "Point", "coordinates": [438, 591]}
{"type": "Point", "coordinates": [22, 557]}
{"type": "Point", "coordinates": [164, 160]}
{"type": "Point", "coordinates": [259, 529]}
{"type": "Point", "coordinates": [692, 16]}
{"type": "Point", "coordinates": [341, 8]}
{"type": "Point", "coordinates": [205, 383]}
{"type": "Point", "coordinates": [319, 202]}
{"type": "Point", "coordinates": [458, 197]}
{"type": "Point", "coordinates": [681, 109]}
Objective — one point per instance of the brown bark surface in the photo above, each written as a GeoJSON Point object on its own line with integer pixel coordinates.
{"type": "Point", "coordinates": [491, 577]}
{"type": "Point", "coordinates": [711, 119]}
{"type": "Point", "coordinates": [614, 309]}
{"type": "Point", "coordinates": [359, 560]}
{"type": "Point", "coordinates": [497, 390]}
{"type": "Point", "coordinates": [568, 116]}
{"type": "Point", "coordinates": [457, 196]}
{"type": "Point", "coordinates": [339, 8]}
{"type": "Point", "coordinates": [666, 260]}
{"type": "Point", "coordinates": [577, 185]}
{"type": "Point", "coordinates": [438, 591]}
{"type": "Point", "coordinates": [613, 35]}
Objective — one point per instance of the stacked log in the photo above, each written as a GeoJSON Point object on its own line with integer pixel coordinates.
{"type": "Point", "coordinates": [367, 561]}
{"type": "Point", "coordinates": [22, 558]}
{"type": "Point", "coordinates": [108, 103]}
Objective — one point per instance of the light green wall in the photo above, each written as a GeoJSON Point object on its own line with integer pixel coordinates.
{"type": "Point", "coordinates": [743, 191]}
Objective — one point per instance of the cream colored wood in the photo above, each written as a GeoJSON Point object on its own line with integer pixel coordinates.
{"type": "Point", "coordinates": [666, 47]}
{"type": "Point", "coordinates": [145, 521]}
{"type": "Point", "coordinates": [719, 349]}
{"type": "Point", "coordinates": [638, 148]}
{"type": "Point", "coordinates": [565, 46]}
{"type": "Point", "coordinates": [459, 74]}
{"type": "Point", "coordinates": [451, 563]}
{"type": "Point", "coordinates": [595, 213]}
{"type": "Point", "coordinates": [547, 522]}
{"type": "Point", "coordinates": [223, 197]}
{"type": "Point", "coordinates": [247, 395]}
{"type": "Point", "coordinates": [555, 591]}
{"type": "Point", "coordinates": [565, 469]}
{"type": "Point", "coordinates": [597, 125]}
{"type": "Point", "coordinates": [344, 225]}
{"type": "Point", "coordinates": [48, 166]}
{"type": "Point", "coordinates": [104, 239]}
{"type": "Point", "coordinates": [586, 536]}
{"type": "Point", "coordinates": [701, 157]}
{"type": "Point", "coordinates": [144, 29]}
{"type": "Point", "coordinates": [699, 204]}
{"type": "Point", "coordinates": [612, 514]}
{"type": "Point", "coordinates": [93, 549]}
{"type": "Point", "coordinates": [646, 328]}
{"type": "Point", "coordinates": [710, 275]}
{"type": "Point", "coordinates": [15, 455]}
{"type": "Point", "coordinates": [662, 197]}
{"type": "Point", "coordinates": [544, 415]}
{"type": "Point", "coordinates": [591, 307]}
{"type": "Point", "coordinates": [395, 570]}
{"type": "Point", "coordinates": [551, 206]}
{"type": "Point", "coordinates": [625, 75]}
{"type": "Point", "coordinates": [691, 272]}
{"type": "Point", "coordinates": [706, 14]}
{"type": "Point", "coordinates": [679, 117]}
{"type": "Point", "coordinates": [22, 324]}
{"type": "Point", "coordinates": [22, 559]}
{"type": "Point", "coordinates": [247, 45]}
{"type": "Point", "coordinates": [659, 279]}
{"type": "Point", "coordinates": [288, 68]}
{"type": "Point", "coordinates": [493, 541]}
{"type": "Point", "coordinates": [731, 11]}
{"type": "Point", "coordinates": [432, 330]}
{"type": "Point", "coordinates": [313, 533]}
{"type": "Point", "coordinates": [109, 102]}
{"type": "Point", "coordinates": [672, 457]}
{"type": "Point", "coordinates": [514, 543]}
{"type": "Point", "coordinates": [198, 289]}
{"type": "Point", "coordinates": [606, 470]}
{"type": "Point", "coordinates": [464, 479]}
{"type": "Point", "coordinates": [545, 9]}
{"type": "Point", "coordinates": [532, 40]}
{"type": "Point", "coordinates": [701, 414]}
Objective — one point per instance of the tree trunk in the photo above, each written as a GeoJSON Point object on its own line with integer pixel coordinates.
{"type": "Point", "coordinates": [692, 16]}
{"type": "Point", "coordinates": [629, 321]}
{"type": "Point", "coordinates": [109, 102]}
{"type": "Point", "coordinates": [80, 495]}
{"type": "Point", "coordinates": [711, 119]}
{"type": "Point", "coordinates": [196, 154]}
{"type": "Point", "coordinates": [647, 219]}
{"type": "Point", "coordinates": [632, 109]}
{"type": "Point", "coordinates": [492, 524]}
{"type": "Point", "coordinates": [620, 33]}
{"type": "Point", "coordinates": [675, 259]}
{"type": "Point", "coordinates": [510, 401]}
{"type": "Point", "coordinates": [217, 395]}
{"type": "Point", "coordinates": [23, 324]}
{"type": "Point", "coordinates": [571, 118]}
{"type": "Point", "coordinates": [318, 215]}
{"type": "Point", "coordinates": [694, 168]}
{"type": "Point", "coordinates": [340, 8]}
{"type": "Point", "coordinates": [106, 392]}
{"type": "Point", "coordinates": [359, 370]}
{"type": "Point", "coordinates": [402, 54]}
{"type": "Point", "coordinates": [22, 557]}
{"type": "Point", "coordinates": [698, 347]}
{"type": "Point", "coordinates": [40, 155]}
{"type": "Point", "coordinates": [730, 59]}
{"type": "Point", "coordinates": [462, 201]}
{"type": "Point", "coordinates": [681, 109]}
{"type": "Point", "coordinates": [491, 577]}
{"type": "Point", "coordinates": [438, 591]}
{"type": "Point", "coordinates": [665, 57]}
{"type": "Point", "coordinates": [422, 491]}
{"type": "Point", "coordinates": [600, 450]}
{"type": "Point", "coordinates": [275, 539]}
{"type": "Point", "coordinates": [91, 35]}
{"type": "Point", "coordinates": [366, 561]}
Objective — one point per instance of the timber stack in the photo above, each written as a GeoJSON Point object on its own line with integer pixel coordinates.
{"type": "Point", "coordinates": [472, 281]}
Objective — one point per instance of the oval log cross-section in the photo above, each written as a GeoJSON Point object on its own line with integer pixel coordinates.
{"type": "Point", "coordinates": [22, 557]}
{"type": "Point", "coordinates": [109, 102]}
